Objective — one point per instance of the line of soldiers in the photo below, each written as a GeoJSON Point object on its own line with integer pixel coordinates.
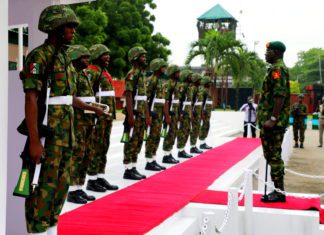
{"type": "Point", "coordinates": [80, 111]}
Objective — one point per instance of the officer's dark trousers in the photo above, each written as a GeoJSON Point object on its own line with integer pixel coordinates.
{"type": "Point", "coordinates": [246, 129]}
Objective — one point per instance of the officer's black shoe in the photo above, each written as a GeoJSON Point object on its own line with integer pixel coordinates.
{"type": "Point", "coordinates": [136, 172]}
{"type": "Point", "coordinates": [296, 145]}
{"type": "Point", "coordinates": [301, 145]}
{"type": "Point", "coordinates": [93, 185]}
{"type": "Point", "coordinates": [151, 166]}
{"type": "Point", "coordinates": [169, 159]}
{"type": "Point", "coordinates": [75, 197]}
{"type": "Point", "coordinates": [158, 165]}
{"type": "Point", "coordinates": [274, 196]}
{"type": "Point", "coordinates": [85, 195]}
{"type": "Point", "coordinates": [204, 146]}
{"type": "Point", "coordinates": [195, 150]}
{"type": "Point", "coordinates": [129, 174]}
{"type": "Point", "coordinates": [104, 183]}
{"type": "Point", "coordinates": [183, 154]}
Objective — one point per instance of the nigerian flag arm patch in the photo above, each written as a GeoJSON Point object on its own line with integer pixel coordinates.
{"type": "Point", "coordinates": [34, 68]}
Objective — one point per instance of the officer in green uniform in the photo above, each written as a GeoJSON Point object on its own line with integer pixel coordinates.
{"type": "Point", "coordinates": [104, 91]}
{"type": "Point", "coordinates": [83, 124]}
{"type": "Point", "coordinates": [173, 72]}
{"type": "Point", "coordinates": [273, 116]}
{"type": "Point", "coordinates": [186, 116]}
{"type": "Point", "coordinates": [137, 113]}
{"type": "Point", "coordinates": [299, 113]}
{"type": "Point", "coordinates": [157, 88]}
{"type": "Point", "coordinates": [197, 102]}
{"type": "Point", "coordinates": [48, 68]}
{"type": "Point", "coordinates": [206, 112]}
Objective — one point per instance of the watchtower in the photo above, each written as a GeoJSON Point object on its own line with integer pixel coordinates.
{"type": "Point", "coordinates": [217, 18]}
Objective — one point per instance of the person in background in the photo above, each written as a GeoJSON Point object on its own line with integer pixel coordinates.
{"type": "Point", "coordinates": [321, 123]}
{"type": "Point", "coordinates": [299, 113]}
{"type": "Point", "coordinates": [249, 109]}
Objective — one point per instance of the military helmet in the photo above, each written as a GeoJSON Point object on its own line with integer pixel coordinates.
{"type": "Point", "coordinates": [157, 63]}
{"type": "Point", "coordinates": [98, 50]}
{"type": "Point", "coordinates": [172, 69]}
{"type": "Point", "coordinates": [196, 77]}
{"type": "Point", "coordinates": [135, 52]}
{"type": "Point", "coordinates": [301, 96]}
{"type": "Point", "coordinates": [205, 80]}
{"type": "Point", "coordinates": [55, 16]}
{"type": "Point", "coordinates": [77, 51]}
{"type": "Point", "coordinates": [184, 74]}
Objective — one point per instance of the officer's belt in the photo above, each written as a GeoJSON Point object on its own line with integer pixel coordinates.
{"type": "Point", "coordinates": [87, 99]}
{"type": "Point", "coordinates": [209, 102]}
{"type": "Point", "coordinates": [140, 98]}
{"type": "Point", "coordinates": [61, 100]}
{"type": "Point", "coordinates": [198, 103]}
{"type": "Point", "coordinates": [175, 101]}
{"type": "Point", "coordinates": [105, 93]}
{"type": "Point", "coordinates": [159, 101]}
{"type": "Point", "coordinates": [185, 103]}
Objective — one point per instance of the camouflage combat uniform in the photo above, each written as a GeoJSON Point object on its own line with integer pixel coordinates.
{"type": "Point", "coordinates": [276, 84]}
{"type": "Point", "coordinates": [299, 121]}
{"type": "Point", "coordinates": [207, 108]}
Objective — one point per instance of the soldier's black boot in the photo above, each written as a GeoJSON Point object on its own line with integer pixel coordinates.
{"type": "Point", "coordinates": [104, 183]}
{"type": "Point", "coordinates": [86, 196]}
{"type": "Point", "coordinates": [301, 145]}
{"type": "Point", "coordinates": [130, 174]}
{"type": "Point", "coordinates": [136, 172]}
{"type": "Point", "coordinates": [275, 196]}
{"type": "Point", "coordinates": [93, 185]}
{"type": "Point", "coordinates": [296, 145]}
{"type": "Point", "coordinates": [204, 146]}
{"type": "Point", "coordinates": [169, 159]}
{"type": "Point", "coordinates": [183, 154]}
{"type": "Point", "coordinates": [158, 165]}
{"type": "Point", "coordinates": [151, 166]}
{"type": "Point", "coordinates": [195, 150]}
{"type": "Point", "coordinates": [75, 197]}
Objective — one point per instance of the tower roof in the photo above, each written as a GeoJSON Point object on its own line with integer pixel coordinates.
{"type": "Point", "coordinates": [216, 13]}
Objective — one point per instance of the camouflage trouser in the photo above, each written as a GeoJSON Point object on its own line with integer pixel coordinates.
{"type": "Point", "coordinates": [153, 140]}
{"type": "Point", "coordinates": [80, 160]}
{"type": "Point", "coordinates": [300, 126]}
{"type": "Point", "coordinates": [133, 147]}
{"type": "Point", "coordinates": [194, 133]}
{"type": "Point", "coordinates": [183, 132]}
{"type": "Point", "coordinates": [204, 129]}
{"type": "Point", "coordinates": [271, 143]}
{"type": "Point", "coordinates": [100, 145]}
{"type": "Point", "coordinates": [44, 205]}
{"type": "Point", "coordinates": [172, 133]}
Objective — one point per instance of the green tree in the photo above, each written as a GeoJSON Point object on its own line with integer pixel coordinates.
{"type": "Point", "coordinates": [130, 23]}
{"type": "Point", "coordinates": [294, 87]}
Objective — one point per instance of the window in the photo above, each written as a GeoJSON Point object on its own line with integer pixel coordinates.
{"type": "Point", "coordinates": [18, 46]}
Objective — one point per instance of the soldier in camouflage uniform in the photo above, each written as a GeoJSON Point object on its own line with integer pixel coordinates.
{"type": "Point", "coordinates": [83, 124]}
{"type": "Point", "coordinates": [186, 116]}
{"type": "Point", "coordinates": [137, 113]}
{"type": "Point", "coordinates": [49, 65]}
{"type": "Point", "coordinates": [206, 112]}
{"type": "Point", "coordinates": [157, 88]}
{"type": "Point", "coordinates": [197, 102]}
{"type": "Point", "coordinates": [299, 113]}
{"type": "Point", "coordinates": [173, 72]}
{"type": "Point", "coordinates": [104, 91]}
{"type": "Point", "coordinates": [273, 116]}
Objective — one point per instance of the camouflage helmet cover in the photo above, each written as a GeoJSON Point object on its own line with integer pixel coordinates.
{"type": "Point", "coordinates": [157, 64]}
{"type": "Point", "coordinates": [135, 52]}
{"type": "Point", "coordinates": [77, 51]}
{"type": "Point", "coordinates": [205, 80]}
{"type": "Point", "coordinates": [98, 50]}
{"type": "Point", "coordinates": [55, 16]}
{"type": "Point", "coordinates": [172, 69]}
{"type": "Point", "coordinates": [196, 77]}
{"type": "Point", "coordinates": [184, 74]}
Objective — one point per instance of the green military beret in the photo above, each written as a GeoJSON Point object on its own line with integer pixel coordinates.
{"type": "Point", "coordinates": [301, 96]}
{"type": "Point", "coordinates": [276, 45]}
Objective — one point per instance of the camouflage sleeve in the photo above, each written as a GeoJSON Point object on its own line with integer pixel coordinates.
{"type": "Point", "coordinates": [190, 93]}
{"type": "Point", "coordinates": [278, 79]}
{"type": "Point", "coordinates": [167, 89]}
{"type": "Point", "coordinates": [33, 71]}
{"type": "Point", "coordinates": [129, 82]}
{"type": "Point", "coordinates": [201, 94]}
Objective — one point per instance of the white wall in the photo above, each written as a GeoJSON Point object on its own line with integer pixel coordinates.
{"type": "Point", "coordinates": [3, 112]}
{"type": "Point", "coordinates": [234, 119]}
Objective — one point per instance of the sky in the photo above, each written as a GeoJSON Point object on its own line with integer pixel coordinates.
{"type": "Point", "coordinates": [298, 24]}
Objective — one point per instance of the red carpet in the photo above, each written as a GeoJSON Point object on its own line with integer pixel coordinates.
{"type": "Point", "coordinates": [142, 206]}
{"type": "Point", "coordinates": [292, 203]}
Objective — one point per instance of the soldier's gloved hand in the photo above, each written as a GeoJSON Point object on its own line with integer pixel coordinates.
{"type": "Point", "coordinates": [269, 124]}
{"type": "Point", "coordinates": [36, 151]}
{"type": "Point", "coordinates": [131, 121]}
{"type": "Point", "coordinates": [168, 119]}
